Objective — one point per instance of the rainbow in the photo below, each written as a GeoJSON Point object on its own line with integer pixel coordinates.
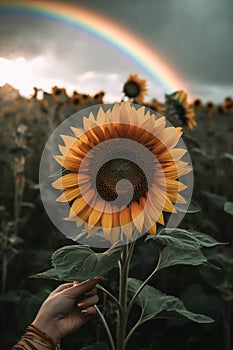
{"type": "Point", "coordinates": [121, 38]}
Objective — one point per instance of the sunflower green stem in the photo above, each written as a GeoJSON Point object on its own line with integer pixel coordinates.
{"type": "Point", "coordinates": [111, 296]}
{"type": "Point", "coordinates": [112, 345]}
{"type": "Point", "coordinates": [133, 329]}
{"type": "Point", "coordinates": [124, 264]}
{"type": "Point", "coordinates": [143, 285]}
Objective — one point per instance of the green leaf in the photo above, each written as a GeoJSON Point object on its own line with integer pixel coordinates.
{"type": "Point", "coordinates": [228, 208]}
{"type": "Point", "coordinates": [205, 240]}
{"type": "Point", "coordinates": [28, 205]}
{"type": "Point", "coordinates": [96, 346]}
{"type": "Point", "coordinates": [79, 262]}
{"type": "Point", "coordinates": [184, 239]}
{"type": "Point", "coordinates": [192, 209]}
{"type": "Point", "coordinates": [202, 153]}
{"type": "Point", "coordinates": [217, 200]}
{"type": "Point", "coordinates": [227, 155]}
{"type": "Point", "coordinates": [157, 304]}
{"type": "Point", "coordinates": [177, 238]}
{"type": "Point", "coordinates": [171, 256]}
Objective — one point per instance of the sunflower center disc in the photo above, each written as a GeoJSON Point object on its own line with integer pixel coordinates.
{"type": "Point", "coordinates": [131, 89]}
{"type": "Point", "coordinates": [118, 169]}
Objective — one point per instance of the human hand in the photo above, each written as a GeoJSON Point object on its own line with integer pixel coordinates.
{"type": "Point", "coordinates": [67, 308]}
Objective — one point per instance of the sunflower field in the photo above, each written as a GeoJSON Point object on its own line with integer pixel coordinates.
{"type": "Point", "coordinates": [190, 302]}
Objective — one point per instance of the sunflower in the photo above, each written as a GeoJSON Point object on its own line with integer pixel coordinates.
{"type": "Point", "coordinates": [210, 108]}
{"type": "Point", "coordinates": [121, 172]}
{"type": "Point", "coordinates": [135, 88]}
{"type": "Point", "coordinates": [227, 105]}
{"type": "Point", "coordinates": [186, 113]}
{"type": "Point", "coordinates": [98, 97]}
{"type": "Point", "coordinates": [156, 106]}
{"type": "Point", "coordinates": [228, 99]}
{"type": "Point", "coordinates": [197, 104]}
{"type": "Point", "coordinates": [78, 99]}
{"type": "Point", "coordinates": [59, 95]}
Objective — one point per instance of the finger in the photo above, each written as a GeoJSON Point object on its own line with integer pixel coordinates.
{"type": "Point", "coordinates": [61, 288]}
{"type": "Point", "coordinates": [83, 304]}
{"type": "Point", "coordinates": [89, 311]}
{"type": "Point", "coordinates": [93, 291]}
{"type": "Point", "coordinates": [84, 287]}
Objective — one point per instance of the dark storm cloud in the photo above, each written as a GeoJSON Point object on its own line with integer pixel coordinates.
{"type": "Point", "coordinates": [194, 36]}
{"type": "Point", "coordinates": [33, 35]}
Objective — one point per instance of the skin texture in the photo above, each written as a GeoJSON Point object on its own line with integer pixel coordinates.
{"type": "Point", "coordinates": [67, 308]}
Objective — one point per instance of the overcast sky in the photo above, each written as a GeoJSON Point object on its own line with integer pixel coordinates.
{"type": "Point", "coordinates": [195, 36]}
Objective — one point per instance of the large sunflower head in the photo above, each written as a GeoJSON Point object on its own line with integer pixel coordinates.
{"type": "Point", "coordinates": [135, 88]}
{"type": "Point", "coordinates": [123, 173]}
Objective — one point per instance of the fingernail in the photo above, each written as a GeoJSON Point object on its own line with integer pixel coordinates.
{"type": "Point", "coordinates": [81, 304]}
{"type": "Point", "coordinates": [84, 311]}
{"type": "Point", "coordinates": [97, 278]}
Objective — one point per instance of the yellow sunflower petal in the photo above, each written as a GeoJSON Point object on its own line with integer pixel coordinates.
{"type": "Point", "coordinates": [71, 163]}
{"type": "Point", "coordinates": [77, 132]}
{"type": "Point", "coordinates": [79, 222]}
{"type": "Point", "coordinates": [66, 181]}
{"type": "Point", "coordinates": [63, 149]}
{"type": "Point", "coordinates": [114, 234]}
{"type": "Point", "coordinates": [96, 213]}
{"type": "Point", "coordinates": [85, 213]}
{"type": "Point", "coordinates": [88, 123]}
{"type": "Point", "coordinates": [68, 140]}
{"type": "Point", "coordinates": [160, 219]}
{"type": "Point", "coordinates": [59, 159]}
{"type": "Point", "coordinates": [171, 155]}
{"type": "Point", "coordinates": [106, 222]}
{"type": "Point", "coordinates": [78, 205]}
{"type": "Point", "coordinates": [152, 230]}
{"type": "Point", "coordinates": [125, 220]}
{"type": "Point", "coordinates": [69, 195]}
{"type": "Point", "coordinates": [91, 230]}
{"type": "Point", "coordinates": [137, 215]}
{"type": "Point", "coordinates": [177, 198]}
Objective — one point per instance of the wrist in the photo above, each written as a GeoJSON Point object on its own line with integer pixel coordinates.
{"type": "Point", "coordinates": [36, 339]}
{"type": "Point", "coordinates": [47, 328]}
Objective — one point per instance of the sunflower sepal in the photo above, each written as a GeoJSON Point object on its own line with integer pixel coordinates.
{"type": "Point", "coordinates": [155, 304]}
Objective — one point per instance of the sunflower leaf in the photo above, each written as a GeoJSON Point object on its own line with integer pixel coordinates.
{"type": "Point", "coordinates": [184, 239]}
{"type": "Point", "coordinates": [228, 208]}
{"type": "Point", "coordinates": [79, 262]}
{"type": "Point", "coordinates": [227, 155]}
{"type": "Point", "coordinates": [192, 209]}
{"type": "Point", "coordinates": [171, 256]}
{"type": "Point", "coordinates": [155, 304]}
